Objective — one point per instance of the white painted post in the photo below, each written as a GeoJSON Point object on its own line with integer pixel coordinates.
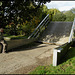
{"type": "Point", "coordinates": [54, 57]}
{"type": "Point", "coordinates": [3, 51]}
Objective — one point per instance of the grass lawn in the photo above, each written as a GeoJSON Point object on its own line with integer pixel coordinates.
{"type": "Point", "coordinates": [67, 66]}
{"type": "Point", "coordinates": [16, 37]}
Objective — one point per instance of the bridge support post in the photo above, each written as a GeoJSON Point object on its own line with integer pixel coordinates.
{"type": "Point", "coordinates": [54, 57]}
{"type": "Point", "coordinates": [4, 46]}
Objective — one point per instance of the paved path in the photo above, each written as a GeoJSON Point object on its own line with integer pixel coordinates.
{"type": "Point", "coordinates": [23, 60]}
{"type": "Point", "coordinates": [57, 31]}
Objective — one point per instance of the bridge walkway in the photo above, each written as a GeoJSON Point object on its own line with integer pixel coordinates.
{"type": "Point", "coordinates": [56, 32]}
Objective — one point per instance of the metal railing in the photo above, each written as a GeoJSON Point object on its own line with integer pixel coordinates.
{"type": "Point", "coordinates": [40, 27]}
{"type": "Point", "coordinates": [72, 31]}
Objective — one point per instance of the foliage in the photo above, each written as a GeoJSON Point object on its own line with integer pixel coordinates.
{"type": "Point", "coordinates": [73, 10]}
{"type": "Point", "coordinates": [52, 12]}
{"type": "Point", "coordinates": [67, 67]}
{"type": "Point", "coordinates": [69, 15]}
{"type": "Point", "coordinates": [56, 15]}
{"type": "Point", "coordinates": [17, 11]}
{"type": "Point", "coordinates": [22, 17]}
{"type": "Point", "coordinates": [28, 27]}
{"type": "Point", "coordinates": [44, 9]}
{"type": "Point", "coordinates": [59, 17]}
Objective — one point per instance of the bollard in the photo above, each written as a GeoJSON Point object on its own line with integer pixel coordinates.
{"type": "Point", "coordinates": [4, 46]}
{"type": "Point", "coordinates": [2, 41]}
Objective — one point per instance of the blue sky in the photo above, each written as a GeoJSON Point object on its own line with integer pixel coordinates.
{"type": "Point", "coordinates": [61, 5]}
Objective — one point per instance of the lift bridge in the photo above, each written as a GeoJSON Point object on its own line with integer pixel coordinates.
{"type": "Point", "coordinates": [53, 32]}
{"type": "Point", "coordinates": [47, 32]}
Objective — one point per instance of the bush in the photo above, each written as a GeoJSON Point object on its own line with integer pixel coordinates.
{"type": "Point", "coordinates": [59, 17]}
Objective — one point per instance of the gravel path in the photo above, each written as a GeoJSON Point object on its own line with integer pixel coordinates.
{"type": "Point", "coordinates": [23, 60]}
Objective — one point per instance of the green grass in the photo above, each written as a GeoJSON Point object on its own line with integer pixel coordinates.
{"type": "Point", "coordinates": [16, 37]}
{"type": "Point", "coordinates": [67, 66]}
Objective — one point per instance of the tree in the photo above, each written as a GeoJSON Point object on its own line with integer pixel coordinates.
{"type": "Point", "coordinates": [59, 17]}
{"type": "Point", "coordinates": [18, 11]}
{"type": "Point", "coordinates": [73, 10]}
{"type": "Point", "coordinates": [69, 15]}
{"type": "Point", "coordinates": [44, 8]}
{"type": "Point", "coordinates": [52, 12]}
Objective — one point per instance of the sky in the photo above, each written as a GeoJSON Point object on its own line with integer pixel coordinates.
{"type": "Point", "coordinates": [61, 5]}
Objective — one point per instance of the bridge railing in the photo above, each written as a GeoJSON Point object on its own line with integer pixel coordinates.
{"type": "Point", "coordinates": [40, 27]}
{"type": "Point", "coordinates": [72, 31]}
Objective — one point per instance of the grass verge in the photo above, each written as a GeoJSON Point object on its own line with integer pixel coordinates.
{"type": "Point", "coordinates": [16, 37]}
{"type": "Point", "coordinates": [67, 67]}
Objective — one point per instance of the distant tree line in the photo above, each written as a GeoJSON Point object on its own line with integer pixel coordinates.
{"type": "Point", "coordinates": [56, 15]}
